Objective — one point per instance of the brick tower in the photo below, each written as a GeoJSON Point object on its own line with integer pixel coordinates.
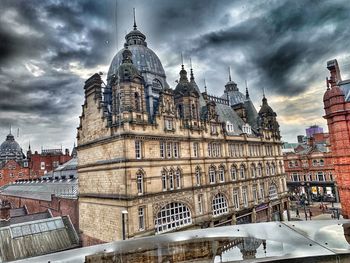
{"type": "Point", "coordinates": [337, 107]}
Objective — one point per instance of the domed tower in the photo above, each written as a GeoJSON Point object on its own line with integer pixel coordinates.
{"type": "Point", "coordinates": [232, 92]}
{"type": "Point", "coordinates": [10, 150]}
{"type": "Point", "coordinates": [147, 63]}
{"type": "Point", "coordinates": [336, 104]}
{"type": "Point", "coordinates": [128, 95]}
{"type": "Point", "coordinates": [187, 100]}
{"type": "Point", "coordinates": [267, 121]}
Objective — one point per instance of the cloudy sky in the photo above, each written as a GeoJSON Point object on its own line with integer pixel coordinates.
{"type": "Point", "coordinates": [48, 49]}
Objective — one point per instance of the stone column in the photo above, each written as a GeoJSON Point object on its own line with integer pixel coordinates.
{"type": "Point", "coordinates": [253, 215]}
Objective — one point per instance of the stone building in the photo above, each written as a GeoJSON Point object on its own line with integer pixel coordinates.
{"type": "Point", "coordinates": [153, 159]}
{"type": "Point", "coordinates": [337, 108]}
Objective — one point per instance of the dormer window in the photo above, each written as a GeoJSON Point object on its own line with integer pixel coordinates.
{"type": "Point", "coordinates": [246, 128]}
{"type": "Point", "coordinates": [229, 127]}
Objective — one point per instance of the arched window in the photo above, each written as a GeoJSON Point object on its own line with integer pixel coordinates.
{"type": "Point", "coordinates": [137, 102]}
{"type": "Point", "coordinates": [252, 170]}
{"type": "Point", "coordinates": [281, 168]}
{"type": "Point", "coordinates": [178, 178]}
{"type": "Point", "coordinates": [242, 171]}
{"type": "Point", "coordinates": [212, 174]}
{"type": "Point", "coordinates": [233, 172]}
{"type": "Point", "coordinates": [321, 162]}
{"type": "Point", "coordinates": [219, 205]}
{"type": "Point", "coordinates": [222, 173]}
{"type": "Point", "coordinates": [272, 169]}
{"type": "Point", "coordinates": [139, 181]}
{"type": "Point", "coordinates": [273, 191]}
{"type": "Point", "coordinates": [198, 175]}
{"type": "Point", "coordinates": [171, 180]}
{"type": "Point", "coordinates": [259, 170]}
{"type": "Point", "coordinates": [164, 180]}
{"type": "Point", "coordinates": [267, 169]}
{"type": "Point", "coordinates": [173, 215]}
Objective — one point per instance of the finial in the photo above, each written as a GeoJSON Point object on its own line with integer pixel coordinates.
{"type": "Point", "coordinates": [29, 146]}
{"type": "Point", "coordinates": [229, 73]}
{"type": "Point", "coordinates": [10, 129]}
{"type": "Point", "coordinates": [246, 90]}
{"type": "Point", "coordinates": [263, 89]}
{"type": "Point", "coordinates": [135, 27]}
{"type": "Point", "coordinates": [192, 76]}
{"type": "Point", "coordinates": [205, 86]}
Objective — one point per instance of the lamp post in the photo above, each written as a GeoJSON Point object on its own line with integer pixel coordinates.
{"type": "Point", "coordinates": [124, 214]}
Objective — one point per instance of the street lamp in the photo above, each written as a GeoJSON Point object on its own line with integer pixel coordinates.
{"type": "Point", "coordinates": [124, 214]}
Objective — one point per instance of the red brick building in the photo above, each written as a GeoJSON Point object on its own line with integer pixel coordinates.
{"type": "Point", "coordinates": [46, 161]}
{"type": "Point", "coordinates": [310, 171]}
{"type": "Point", "coordinates": [337, 108]}
{"type": "Point", "coordinates": [12, 171]}
{"type": "Point", "coordinates": [14, 165]}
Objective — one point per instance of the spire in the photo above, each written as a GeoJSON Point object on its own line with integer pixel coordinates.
{"type": "Point", "coordinates": [246, 90]}
{"type": "Point", "coordinates": [29, 149]}
{"type": "Point", "coordinates": [192, 76]}
{"type": "Point", "coordinates": [229, 73]}
{"type": "Point", "coordinates": [135, 26]}
{"type": "Point", "coordinates": [205, 87]}
{"type": "Point", "coordinates": [10, 129]}
{"type": "Point", "coordinates": [263, 90]}
{"type": "Point", "coordinates": [182, 61]}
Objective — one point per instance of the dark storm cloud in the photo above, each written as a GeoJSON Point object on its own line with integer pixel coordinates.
{"type": "Point", "coordinates": [48, 47]}
{"type": "Point", "coordinates": [285, 40]}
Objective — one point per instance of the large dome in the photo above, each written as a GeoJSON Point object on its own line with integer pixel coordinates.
{"type": "Point", "coordinates": [144, 59]}
{"type": "Point", "coordinates": [10, 149]}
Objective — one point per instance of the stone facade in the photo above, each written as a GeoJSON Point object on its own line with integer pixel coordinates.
{"type": "Point", "coordinates": [337, 109]}
{"type": "Point", "coordinates": [190, 162]}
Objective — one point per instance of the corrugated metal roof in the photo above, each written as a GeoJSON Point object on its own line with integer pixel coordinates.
{"type": "Point", "coordinates": [42, 190]}
{"type": "Point", "coordinates": [37, 238]}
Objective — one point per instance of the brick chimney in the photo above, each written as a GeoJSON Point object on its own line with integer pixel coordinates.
{"type": "Point", "coordinates": [333, 67]}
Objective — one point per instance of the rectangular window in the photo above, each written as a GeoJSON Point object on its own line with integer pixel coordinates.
{"type": "Point", "coordinates": [162, 149]}
{"type": "Point", "coordinates": [176, 149]}
{"type": "Point", "coordinates": [141, 218]}
{"type": "Point", "coordinates": [211, 175]}
{"type": "Point", "coordinates": [200, 204]}
{"type": "Point", "coordinates": [55, 164]}
{"type": "Point", "coordinates": [196, 149]}
{"type": "Point", "coordinates": [42, 165]}
{"type": "Point", "coordinates": [138, 145]}
{"type": "Point", "coordinates": [236, 199]}
{"type": "Point", "coordinates": [209, 150]}
{"type": "Point", "coordinates": [168, 150]}
{"type": "Point", "coordinates": [295, 177]}
{"type": "Point", "coordinates": [245, 196]}
{"type": "Point", "coordinates": [320, 176]}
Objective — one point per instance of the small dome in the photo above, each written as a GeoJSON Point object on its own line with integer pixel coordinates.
{"type": "Point", "coordinates": [10, 149]}
{"type": "Point", "coordinates": [184, 87]}
{"type": "Point", "coordinates": [265, 108]}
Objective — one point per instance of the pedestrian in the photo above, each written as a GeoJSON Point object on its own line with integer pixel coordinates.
{"type": "Point", "coordinates": [305, 215]}
{"type": "Point", "coordinates": [326, 207]}
{"type": "Point", "coordinates": [338, 214]}
{"type": "Point", "coordinates": [310, 213]}
{"type": "Point", "coordinates": [298, 216]}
